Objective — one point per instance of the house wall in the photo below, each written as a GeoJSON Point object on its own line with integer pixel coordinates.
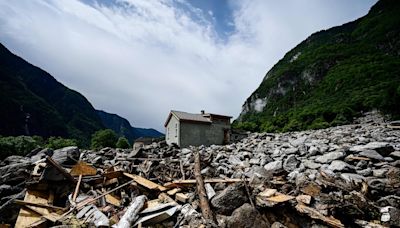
{"type": "Point", "coordinates": [196, 134]}
{"type": "Point", "coordinates": [172, 131]}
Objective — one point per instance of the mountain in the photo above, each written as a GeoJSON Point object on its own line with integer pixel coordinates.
{"type": "Point", "coordinates": [34, 103]}
{"type": "Point", "coordinates": [332, 76]}
{"type": "Point", "coordinates": [123, 128]}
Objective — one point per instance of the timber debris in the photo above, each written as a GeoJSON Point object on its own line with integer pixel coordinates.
{"type": "Point", "coordinates": [346, 176]}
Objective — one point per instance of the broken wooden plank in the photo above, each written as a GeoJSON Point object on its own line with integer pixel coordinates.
{"type": "Point", "coordinates": [27, 217]}
{"type": "Point", "coordinates": [179, 183]}
{"type": "Point", "coordinates": [145, 183]}
{"type": "Point", "coordinates": [201, 190]}
{"type": "Point", "coordinates": [315, 214]}
{"type": "Point", "coordinates": [84, 203]}
{"type": "Point", "coordinates": [113, 200]}
{"type": "Point", "coordinates": [174, 191]}
{"type": "Point", "coordinates": [83, 168]}
{"type": "Point", "coordinates": [182, 197]}
{"type": "Point", "coordinates": [77, 189]}
{"type": "Point", "coordinates": [42, 205]}
{"type": "Point", "coordinates": [60, 169]}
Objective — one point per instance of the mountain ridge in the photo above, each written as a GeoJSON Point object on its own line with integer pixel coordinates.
{"type": "Point", "coordinates": [35, 103]}
{"type": "Point", "coordinates": [330, 77]}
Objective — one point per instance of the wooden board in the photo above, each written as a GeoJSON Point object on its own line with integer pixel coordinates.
{"type": "Point", "coordinates": [145, 183]}
{"type": "Point", "coordinates": [84, 169]}
{"type": "Point", "coordinates": [27, 217]}
{"type": "Point", "coordinates": [178, 183]}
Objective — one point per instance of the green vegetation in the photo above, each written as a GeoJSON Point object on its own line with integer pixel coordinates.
{"type": "Point", "coordinates": [338, 73]}
{"type": "Point", "coordinates": [58, 142]}
{"type": "Point", "coordinates": [20, 145]}
{"type": "Point", "coordinates": [104, 138]}
{"type": "Point", "coordinates": [122, 143]}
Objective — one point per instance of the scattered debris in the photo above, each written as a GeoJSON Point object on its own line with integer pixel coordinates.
{"type": "Point", "coordinates": [344, 176]}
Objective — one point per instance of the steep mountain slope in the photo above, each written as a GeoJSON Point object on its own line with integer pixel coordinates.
{"type": "Point", "coordinates": [35, 103]}
{"type": "Point", "coordinates": [123, 128]}
{"type": "Point", "coordinates": [331, 76]}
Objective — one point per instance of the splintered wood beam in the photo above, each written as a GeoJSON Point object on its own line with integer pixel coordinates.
{"type": "Point", "coordinates": [131, 214]}
{"type": "Point", "coordinates": [60, 169]}
{"type": "Point", "coordinates": [84, 203]}
{"type": "Point", "coordinates": [77, 189]}
{"type": "Point", "coordinates": [146, 183]}
{"type": "Point", "coordinates": [201, 190]}
{"type": "Point", "coordinates": [177, 183]}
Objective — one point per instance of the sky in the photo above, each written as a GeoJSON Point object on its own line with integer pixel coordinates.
{"type": "Point", "coordinates": [142, 58]}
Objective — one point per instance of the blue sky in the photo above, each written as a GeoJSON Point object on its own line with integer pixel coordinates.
{"type": "Point", "coordinates": [142, 58]}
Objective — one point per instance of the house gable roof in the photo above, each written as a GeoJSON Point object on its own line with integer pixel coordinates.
{"type": "Point", "coordinates": [185, 116]}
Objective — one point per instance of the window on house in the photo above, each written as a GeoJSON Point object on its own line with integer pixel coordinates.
{"type": "Point", "coordinates": [176, 130]}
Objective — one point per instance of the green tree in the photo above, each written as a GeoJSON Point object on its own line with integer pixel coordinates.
{"type": "Point", "coordinates": [58, 142]}
{"type": "Point", "coordinates": [104, 138]}
{"type": "Point", "coordinates": [123, 143]}
{"type": "Point", "coordinates": [19, 145]}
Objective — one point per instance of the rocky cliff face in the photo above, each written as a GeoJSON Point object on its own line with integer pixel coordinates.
{"type": "Point", "coordinates": [332, 75]}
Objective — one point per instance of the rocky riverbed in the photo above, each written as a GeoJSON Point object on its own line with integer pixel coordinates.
{"type": "Point", "coordinates": [339, 177]}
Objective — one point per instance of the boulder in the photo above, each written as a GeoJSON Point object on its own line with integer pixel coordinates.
{"type": "Point", "coordinates": [290, 163]}
{"type": "Point", "coordinates": [338, 165]}
{"type": "Point", "coordinates": [229, 199]}
{"type": "Point", "coordinates": [383, 148]}
{"type": "Point", "coordinates": [67, 155]}
{"type": "Point", "coordinates": [273, 166]}
{"type": "Point", "coordinates": [329, 157]}
{"type": "Point", "coordinates": [371, 154]}
{"type": "Point", "coordinates": [246, 217]}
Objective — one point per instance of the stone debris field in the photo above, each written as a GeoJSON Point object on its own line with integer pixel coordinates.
{"type": "Point", "coordinates": [345, 176]}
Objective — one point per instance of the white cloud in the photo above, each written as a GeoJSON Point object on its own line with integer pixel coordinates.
{"type": "Point", "coordinates": [141, 58]}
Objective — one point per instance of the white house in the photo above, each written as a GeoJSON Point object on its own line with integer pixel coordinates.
{"type": "Point", "coordinates": [185, 129]}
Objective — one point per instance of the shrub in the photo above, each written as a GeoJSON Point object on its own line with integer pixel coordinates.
{"type": "Point", "coordinates": [123, 143]}
{"type": "Point", "coordinates": [103, 138]}
{"type": "Point", "coordinates": [19, 145]}
{"type": "Point", "coordinates": [319, 123]}
{"type": "Point", "coordinates": [58, 142]}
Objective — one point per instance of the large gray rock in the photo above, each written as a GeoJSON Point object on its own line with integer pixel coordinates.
{"type": "Point", "coordinates": [329, 157]}
{"type": "Point", "coordinates": [229, 199]}
{"type": "Point", "coordinates": [383, 148]}
{"type": "Point", "coordinates": [290, 163]}
{"type": "Point", "coordinates": [246, 217]}
{"type": "Point", "coordinates": [395, 154]}
{"type": "Point", "coordinates": [372, 154]}
{"type": "Point", "coordinates": [67, 155]}
{"type": "Point", "coordinates": [311, 165]}
{"type": "Point", "coordinates": [338, 165]}
{"type": "Point", "coordinates": [273, 166]}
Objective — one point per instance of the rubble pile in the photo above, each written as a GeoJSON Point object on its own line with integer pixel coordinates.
{"type": "Point", "coordinates": [345, 176]}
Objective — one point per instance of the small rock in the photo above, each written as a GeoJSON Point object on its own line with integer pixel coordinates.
{"type": "Point", "coordinates": [278, 225]}
{"type": "Point", "coordinates": [383, 148]}
{"type": "Point", "coordinates": [306, 199]}
{"type": "Point", "coordinates": [290, 163]}
{"type": "Point", "coordinates": [229, 199]}
{"type": "Point", "coordinates": [329, 157]}
{"type": "Point", "coordinates": [371, 154]}
{"type": "Point", "coordinates": [379, 172]}
{"type": "Point", "coordinates": [395, 154]}
{"type": "Point", "coordinates": [339, 165]}
{"type": "Point", "coordinates": [311, 165]}
{"type": "Point", "coordinates": [313, 150]}
{"type": "Point", "coordinates": [365, 172]}
{"type": "Point", "coordinates": [273, 166]}
{"type": "Point", "coordinates": [246, 217]}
